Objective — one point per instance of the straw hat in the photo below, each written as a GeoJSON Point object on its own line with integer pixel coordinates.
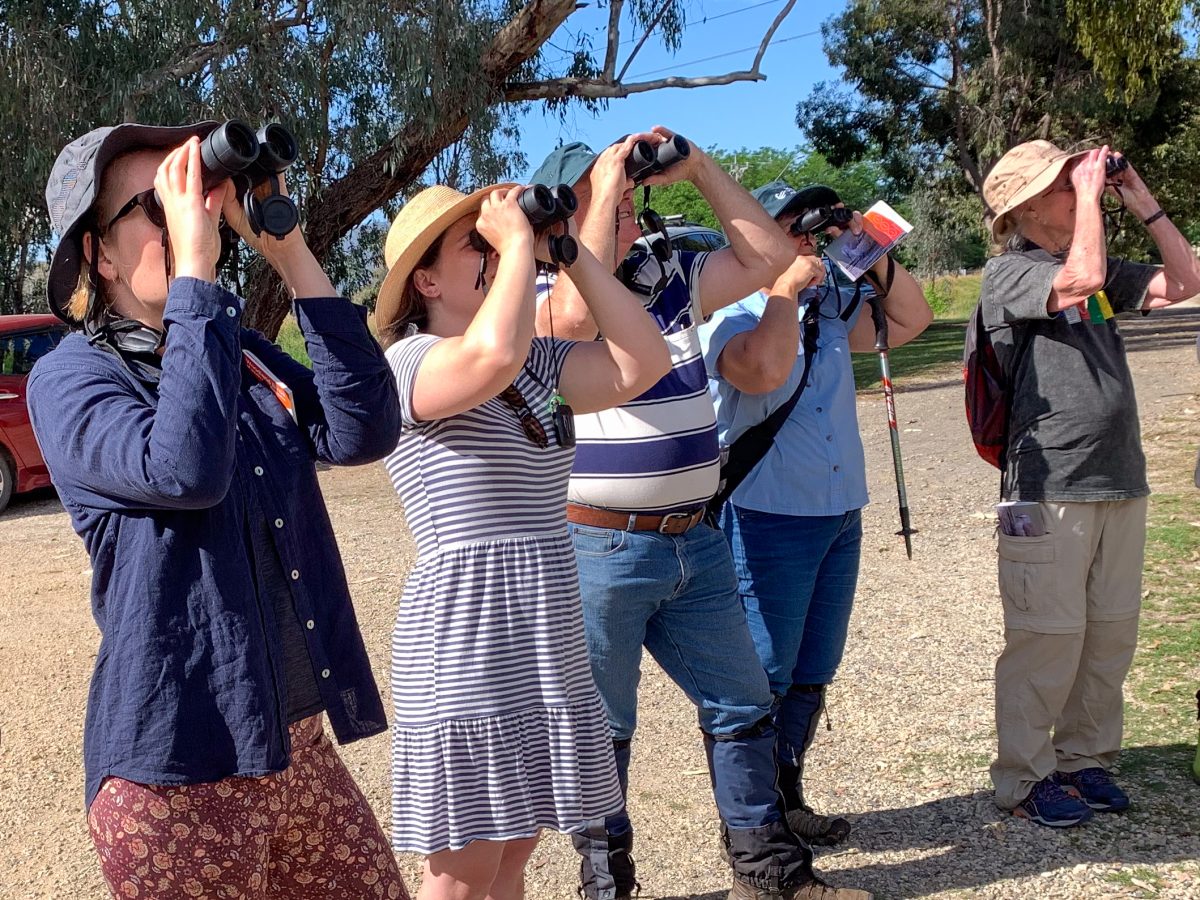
{"type": "Point", "coordinates": [418, 224]}
{"type": "Point", "coordinates": [1020, 175]}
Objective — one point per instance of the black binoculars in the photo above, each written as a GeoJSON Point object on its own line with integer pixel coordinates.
{"type": "Point", "coordinates": [1115, 165]}
{"type": "Point", "coordinates": [645, 159]}
{"type": "Point", "coordinates": [253, 162]}
{"type": "Point", "coordinates": [820, 218]}
{"type": "Point", "coordinates": [544, 207]}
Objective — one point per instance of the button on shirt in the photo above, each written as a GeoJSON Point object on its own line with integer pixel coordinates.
{"type": "Point", "coordinates": [162, 483]}
{"type": "Point", "coordinates": [815, 466]}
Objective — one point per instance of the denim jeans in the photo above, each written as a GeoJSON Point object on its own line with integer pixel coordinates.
{"type": "Point", "coordinates": [796, 578]}
{"type": "Point", "coordinates": [677, 596]}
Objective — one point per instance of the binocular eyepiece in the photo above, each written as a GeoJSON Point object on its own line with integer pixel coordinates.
{"type": "Point", "coordinates": [545, 207]}
{"type": "Point", "coordinates": [816, 220]}
{"type": "Point", "coordinates": [645, 159]}
{"type": "Point", "coordinates": [1115, 165]}
{"type": "Point", "coordinates": [253, 161]}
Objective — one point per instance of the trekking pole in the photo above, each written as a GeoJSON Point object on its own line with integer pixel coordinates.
{"type": "Point", "coordinates": [879, 318]}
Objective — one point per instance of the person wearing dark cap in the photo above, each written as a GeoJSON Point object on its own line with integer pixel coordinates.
{"type": "Point", "coordinates": [1071, 590]}
{"type": "Point", "coordinates": [652, 572]}
{"type": "Point", "coordinates": [795, 520]}
{"type": "Point", "coordinates": [183, 446]}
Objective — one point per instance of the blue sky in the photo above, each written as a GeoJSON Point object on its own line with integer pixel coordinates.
{"type": "Point", "coordinates": [753, 114]}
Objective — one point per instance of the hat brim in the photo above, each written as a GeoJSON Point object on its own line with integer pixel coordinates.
{"type": "Point", "coordinates": [1036, 185]}
{"type": "Point", "coordinates": [391, 291]}
{"type": "Point", "coordinates": [67, 260]}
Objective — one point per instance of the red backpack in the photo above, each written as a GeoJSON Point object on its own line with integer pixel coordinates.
{"type": "Point", "coordinates": [988, 391]}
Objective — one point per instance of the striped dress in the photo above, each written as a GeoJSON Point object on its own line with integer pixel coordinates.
{"type": "Point", "coordinates": [498, 730]}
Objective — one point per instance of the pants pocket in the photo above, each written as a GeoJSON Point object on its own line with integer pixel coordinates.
{"type": "Point", "coordinates": [1027, 573]}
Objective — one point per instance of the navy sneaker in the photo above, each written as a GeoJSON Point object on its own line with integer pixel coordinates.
{"type": "Point", "coordinates": [1096, 789]}
{"type": "Point", "coordinates": [1048, 804]}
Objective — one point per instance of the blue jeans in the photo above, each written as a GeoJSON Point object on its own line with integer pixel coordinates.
{"type": "Point", "coordinates": [796, 577]}
{"type": "Point", "coordinates": [677, 596]}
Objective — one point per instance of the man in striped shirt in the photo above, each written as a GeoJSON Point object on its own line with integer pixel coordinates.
{"type": "Point", "coordinates": [652, 572]}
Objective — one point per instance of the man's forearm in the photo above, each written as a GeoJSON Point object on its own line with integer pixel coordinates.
{"type": "Point", "coordinates": [757, 242]}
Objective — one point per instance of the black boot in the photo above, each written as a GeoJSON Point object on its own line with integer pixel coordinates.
{"type": "Point", "coordinates": [606, 869]}
{"type": "Point", "coordinates": [822, 831]}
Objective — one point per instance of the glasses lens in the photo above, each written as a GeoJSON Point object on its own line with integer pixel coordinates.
{"type": "Point", "coordinates": [148, 202]}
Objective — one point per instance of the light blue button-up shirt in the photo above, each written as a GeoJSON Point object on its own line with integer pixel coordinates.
{"type": "Point", "coordinates": [815, 466]}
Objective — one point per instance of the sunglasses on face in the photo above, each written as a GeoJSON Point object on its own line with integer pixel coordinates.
{"type": "Point", "coordinates": [149, 204]}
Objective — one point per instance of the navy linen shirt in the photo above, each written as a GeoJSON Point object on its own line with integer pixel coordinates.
{"type": "Point", "coordinates": [159, 481]}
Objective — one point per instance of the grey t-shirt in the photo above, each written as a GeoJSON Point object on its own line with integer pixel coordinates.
{"type": "Point", "coordinates": [1073, 430]}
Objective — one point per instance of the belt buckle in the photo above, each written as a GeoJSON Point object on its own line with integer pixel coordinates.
{"type": "Point", "coordinates": [666, 526]}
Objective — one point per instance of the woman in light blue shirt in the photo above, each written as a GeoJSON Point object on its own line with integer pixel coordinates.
{"type": "Point", "coordinates": [795, 521]}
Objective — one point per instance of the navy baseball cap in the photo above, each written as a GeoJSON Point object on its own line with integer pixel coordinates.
{"type": "Point", "coordinates": [74, 185]}
{"type": "Point", "coordinates": [779, 198]}
{"type": "Point", "coordinates": [565, 165]}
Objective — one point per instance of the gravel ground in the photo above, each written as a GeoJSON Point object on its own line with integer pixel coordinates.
{"type": "Point", "coordinates": [911, 736]}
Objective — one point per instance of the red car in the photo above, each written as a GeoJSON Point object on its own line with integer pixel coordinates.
{"type": "Point", "coordinates": [23, 341]}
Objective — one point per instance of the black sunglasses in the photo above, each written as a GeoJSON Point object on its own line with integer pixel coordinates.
{"type": "Point", "coordinates": [533, 429]}
{"type": "Point", "coordinates": [148, 202]}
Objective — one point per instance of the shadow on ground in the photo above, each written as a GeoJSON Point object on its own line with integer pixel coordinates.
{"type": "Point", "coordinates": [968, 843]}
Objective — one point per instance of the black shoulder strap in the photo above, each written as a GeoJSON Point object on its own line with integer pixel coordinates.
{"type": "Point", "coordinates": [749, 449]}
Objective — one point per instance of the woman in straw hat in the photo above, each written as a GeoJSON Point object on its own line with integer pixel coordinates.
{"type": "Point", "coordinates": [1070, 581]}
{"type": "Point", "coordinates": [498, 730]}
{"type": "Point", "coordinates": [184, 446]}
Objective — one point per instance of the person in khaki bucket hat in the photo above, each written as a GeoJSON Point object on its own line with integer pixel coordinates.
{"type": "Point", "coordinates": [1070, 580]}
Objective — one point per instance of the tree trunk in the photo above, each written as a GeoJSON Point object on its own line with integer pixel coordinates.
{"type": "Point", "coordinates": [22, 270]}
{"type": "Point", "coordinates": [344, 203]}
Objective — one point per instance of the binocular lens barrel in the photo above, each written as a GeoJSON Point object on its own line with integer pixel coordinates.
{"type": "Point", "coordinates": [566, 201]}
{"type": "Point", "coordinates": [537, 203]}
{"type": "Point", "coordinates": [672, 151]}
{"type": "Point", "coordinates": [277, 148]}
{"type": "Point", "coordinates": [1114, 165]}
{"type": "Point", "coordinates": [645, 160]}
{"type": "Point", "coordinates": [226, 151]}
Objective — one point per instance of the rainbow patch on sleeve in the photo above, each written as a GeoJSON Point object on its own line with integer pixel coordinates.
{"type": "Point", "coordinates": [1099, 309]}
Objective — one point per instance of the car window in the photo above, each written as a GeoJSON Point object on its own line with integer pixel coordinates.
{"type": "Point", "coordinates": [18, 352]}
{"type": "Point", "coordinates": [690, 242]}
{"type": "Point", "coordinates": [716, 241]}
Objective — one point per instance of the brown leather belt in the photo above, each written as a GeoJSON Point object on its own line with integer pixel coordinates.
{"type": "Point", "coordinates": [672, 523]}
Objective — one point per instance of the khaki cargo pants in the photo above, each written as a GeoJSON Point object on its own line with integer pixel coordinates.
{"type": "Point", "coordinates": [1071, 600]}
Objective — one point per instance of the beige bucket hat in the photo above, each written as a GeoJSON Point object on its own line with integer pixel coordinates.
{"type": "Point", "coordinates": [1020, 175]}
{"type": "Point", "coordinates": [418, 224]}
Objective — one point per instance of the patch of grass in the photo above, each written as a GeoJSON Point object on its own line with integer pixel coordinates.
{"type": "Point", "coordinates": [292, 341]}
{"type": "Point", "coordinates": [1139, 878]}
{"type": "Point", "coordinates": [953, 297]}
{"type": "Point", "coordinates": [937, 348]}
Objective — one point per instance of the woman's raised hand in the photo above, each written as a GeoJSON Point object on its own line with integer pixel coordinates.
{"type": "Point", "coordinates": [502, 223]}
{"type": "Point", "coordinates": [191, 215]}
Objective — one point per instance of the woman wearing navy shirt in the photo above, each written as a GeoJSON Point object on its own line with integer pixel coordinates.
{"type": "Point", "coordinates": [183, 446]}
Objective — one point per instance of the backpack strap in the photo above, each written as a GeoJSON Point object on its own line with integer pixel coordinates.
{"type": "Point", "coordinates": [749, 449]}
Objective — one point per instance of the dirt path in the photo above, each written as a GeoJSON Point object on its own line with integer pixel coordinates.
{"type": "Point", "coordinates": [911, 712]}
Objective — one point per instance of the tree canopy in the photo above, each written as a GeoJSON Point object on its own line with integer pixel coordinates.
{"type": "Point", "coordinates": [376, 92]}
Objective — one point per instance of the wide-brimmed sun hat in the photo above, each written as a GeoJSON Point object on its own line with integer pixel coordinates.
{"type": "Point", "coordinates": [418, 224]}
{"type": "Point", "coordinates": [74, 184]}
{"type": "Point", "coordinates": [1020, 175]}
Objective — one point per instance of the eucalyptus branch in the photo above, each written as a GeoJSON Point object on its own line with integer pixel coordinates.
{"type": "Point", "coordinates": [614, 37]}
{"type": "Point", "coordinates": [762, 48]}
{"type": "Point", "coordinates": [599, 89]}
{"type": "Point", "coordinates": [662, 11]}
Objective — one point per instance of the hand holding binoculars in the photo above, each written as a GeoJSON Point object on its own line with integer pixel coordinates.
{"type": "Point", "coordinates": [1115, 165]}
{"type": "Point", "coordinates": [544, 207]}
{"type": "Point", "coordinates": [253, 162]}
{"type": "Point", "coordinates": [645, 159]}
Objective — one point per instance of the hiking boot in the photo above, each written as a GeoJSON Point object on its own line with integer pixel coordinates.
{"type": "Point", "coordinates": [816, 889]}
{"type": "Point", "coordinates": [816, 829]}
{"type": "Point", "coordinates": [1096, 789]}
{"type": "Point", "coordinates": [1051, 805]}
{"type": "Point", "coordinates": [620, 873]}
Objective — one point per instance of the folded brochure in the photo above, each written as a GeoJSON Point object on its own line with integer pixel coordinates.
{"type": "Point", "coordinates": [883, 229]}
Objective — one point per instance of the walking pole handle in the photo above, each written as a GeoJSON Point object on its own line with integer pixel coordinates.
{"type": "Point", "coordinates": [879, 319]}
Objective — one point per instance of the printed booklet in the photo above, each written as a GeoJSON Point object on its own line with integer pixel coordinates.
{"type": "Point", "coordinates": [883, 229]}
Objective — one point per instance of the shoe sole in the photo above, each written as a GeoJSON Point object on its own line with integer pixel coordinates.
{"type": "Point", "coordinates": [1052, 823]}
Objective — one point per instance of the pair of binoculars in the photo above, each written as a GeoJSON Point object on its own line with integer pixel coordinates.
{"type": "Point", "coordinates": [1115, 165]}
{"type": "Point", "coordinates": [253, 161]}
{"type": "Point", "coordinates": [544, 207]}
{"type": "Point", "coordinates": [820, 218]}
{"type": "Point", "coordinates": [645, 159]}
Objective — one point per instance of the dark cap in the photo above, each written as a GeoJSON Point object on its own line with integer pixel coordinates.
{"type": "Point", "coordinates": [779, 198]}
{"type": "Point", "coordinates": [565, 165]}
{"type": "Point", "coordinates": [75, 182]}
